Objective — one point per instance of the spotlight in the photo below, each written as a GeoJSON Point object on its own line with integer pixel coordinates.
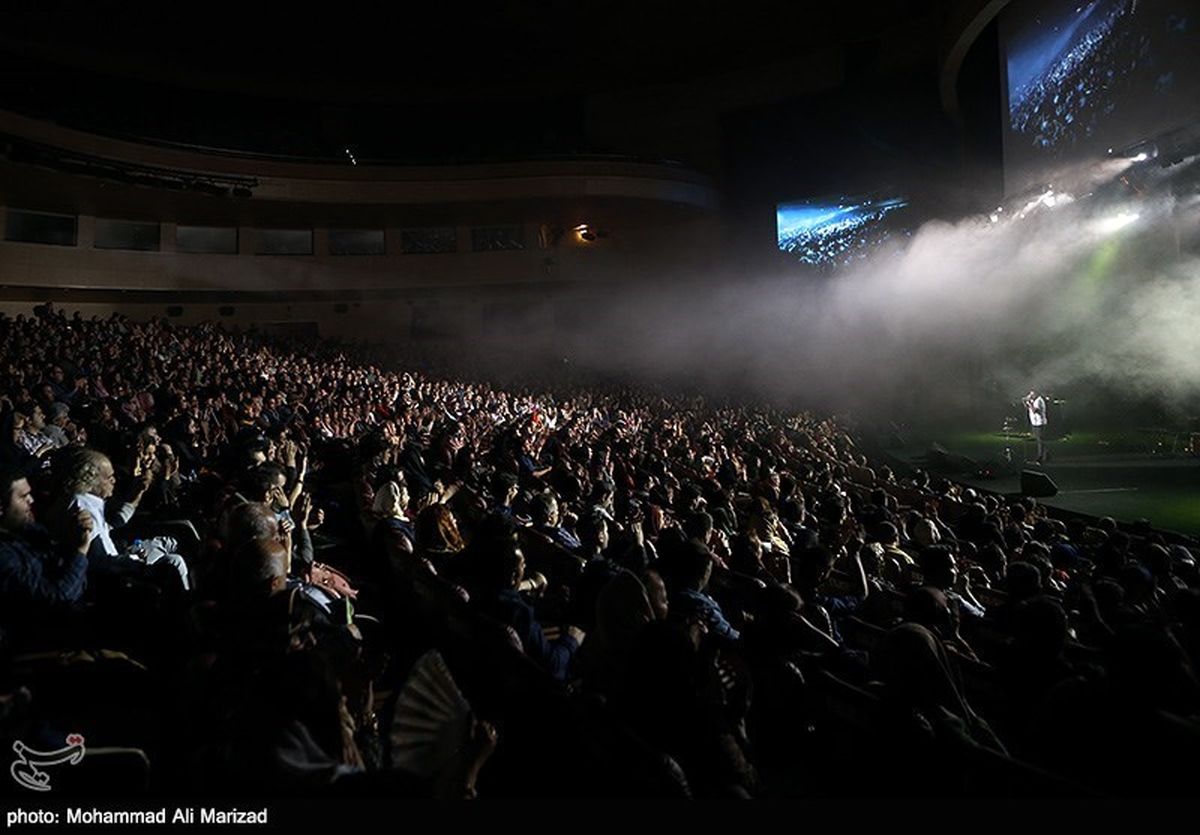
{"type": "Point", "coordinates": [1108, 225]}
{"type": "Point", "coordinates": [584, 232]}
{"type": "Point", "coordinates": [1140, 152]}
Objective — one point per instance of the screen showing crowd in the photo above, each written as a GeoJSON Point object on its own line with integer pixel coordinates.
{"type": "Point", "coordinates": [838, 230]}
{"type": "Point", "coordinates": [1082, 78]}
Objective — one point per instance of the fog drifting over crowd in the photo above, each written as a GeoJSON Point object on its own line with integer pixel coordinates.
{"type": "Point", "coordinates": [1086, 292]}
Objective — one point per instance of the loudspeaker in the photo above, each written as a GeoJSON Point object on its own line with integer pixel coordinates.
{"type": "Point", "coordinates": [1037, 484]}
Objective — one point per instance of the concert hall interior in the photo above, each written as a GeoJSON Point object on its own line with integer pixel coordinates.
{"type": "Point", "coordinates": [526, 400]}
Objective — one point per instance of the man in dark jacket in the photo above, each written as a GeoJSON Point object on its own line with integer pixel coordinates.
{"type": "Point", "coordinates": [502, 601]}
{"type": "Point", "coordinates": [36, 578]}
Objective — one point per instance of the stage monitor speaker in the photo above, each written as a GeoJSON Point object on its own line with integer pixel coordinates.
{"type": "Point", "coordinates": [1037, 484]}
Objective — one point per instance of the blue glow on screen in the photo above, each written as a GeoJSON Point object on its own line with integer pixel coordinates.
{"type": "Point", "coordinates": [836, 230]}
{"type": "Point", "coordinates": [1033, 57]}
{"type": "Point", "coordinates": [1086, 76]}
{"type": "Point", "coordinates": [1062, 74]}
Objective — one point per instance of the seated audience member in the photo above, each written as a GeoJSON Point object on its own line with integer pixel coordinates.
{"type": "Point", "coordinates": [500, 600]}
{"type": "Point", "coordinates": [91, 483]}
{"type": "Point", "coordinates": [773, 662]}
{"type": "Point", "coordinates": [546, 521]}
{"type": "Point", "coordinates": [37, 577]}
{"type": "Point", "coordinates": [689, 603]}
{"type": "Point", "coordinates": [939, 568]}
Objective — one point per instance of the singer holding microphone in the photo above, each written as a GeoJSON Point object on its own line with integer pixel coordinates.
{"type": "Point", "coordinates": [1036, 406]}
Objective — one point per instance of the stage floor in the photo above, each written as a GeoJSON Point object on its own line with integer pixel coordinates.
{"type": "Point", "coordinates": [1128, 475]}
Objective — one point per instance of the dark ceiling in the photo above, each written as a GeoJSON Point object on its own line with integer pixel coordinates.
{"type": "Point", "coordinates": [442, 82]}
{"type": "Point", "coordinates": [402, 51]}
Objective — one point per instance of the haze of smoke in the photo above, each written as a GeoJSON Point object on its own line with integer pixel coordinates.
{"type": "Point", "coordinates": [1053, 300]}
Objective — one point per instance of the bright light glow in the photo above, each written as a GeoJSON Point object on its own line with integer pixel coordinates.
{"type": "Point", "coordinates": [1048, 199]}
{"type": "Point", "coordinates": [1108, 225]}
{"type": "Point", "coordinates": [1142, 157]}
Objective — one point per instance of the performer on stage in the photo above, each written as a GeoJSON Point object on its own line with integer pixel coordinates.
{"type": "Point", "coordinates": [1036, 405]}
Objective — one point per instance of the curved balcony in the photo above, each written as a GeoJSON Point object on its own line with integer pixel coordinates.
{"type": "Point", "coordinates": [51, 148]}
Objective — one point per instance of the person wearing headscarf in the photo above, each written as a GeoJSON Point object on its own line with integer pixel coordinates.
{"type": "Point", "coordinates": [393, 528]}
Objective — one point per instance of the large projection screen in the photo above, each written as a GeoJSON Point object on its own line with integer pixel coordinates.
{"type": "Point", "coordinates": [1083, 77]}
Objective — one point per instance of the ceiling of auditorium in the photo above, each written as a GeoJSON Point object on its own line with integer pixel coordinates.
{"type": "Point", "coordinates": [399, 52]}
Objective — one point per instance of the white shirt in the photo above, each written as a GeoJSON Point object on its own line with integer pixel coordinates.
{"type": "Point", "coordinates": [94, 505]}
{"type": "Point", "coordinates": [1037, 411]}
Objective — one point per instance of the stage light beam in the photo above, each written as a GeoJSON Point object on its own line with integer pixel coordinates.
{"type": "Point", "coordinates": [1115, 223]}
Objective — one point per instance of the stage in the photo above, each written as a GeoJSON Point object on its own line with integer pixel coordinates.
{"type": "Point", "coordinates": [1131, 474]}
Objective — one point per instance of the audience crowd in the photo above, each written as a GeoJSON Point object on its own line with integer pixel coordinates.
{"type": "Point", "coordinates": [251, 567]}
